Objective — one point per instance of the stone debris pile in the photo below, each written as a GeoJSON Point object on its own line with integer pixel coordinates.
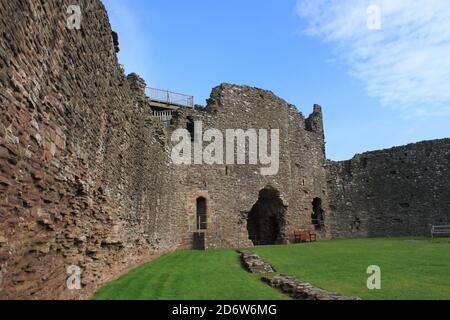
{"type": "Point", "coordinates": [254, 263]}
{"type": "Point", "coordinates": [301, 290]}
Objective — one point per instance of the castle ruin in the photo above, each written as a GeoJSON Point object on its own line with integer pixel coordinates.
{"type": "Point", "coordinates": [86, 176]}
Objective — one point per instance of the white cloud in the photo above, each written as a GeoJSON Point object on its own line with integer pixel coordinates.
{"type": "Point", "coordinates": [406, 64]}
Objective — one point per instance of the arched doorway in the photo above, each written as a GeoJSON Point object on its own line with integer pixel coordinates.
{"type": "Point", "coordinates": [267, 217]}
{"type": "Point", "coordinates": [202, 221]}
{"type": "Point", "coordinates": [317, 216]}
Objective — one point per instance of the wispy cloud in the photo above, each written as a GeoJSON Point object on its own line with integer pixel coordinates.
{"type": "Point", "coordinates": [405, 64]}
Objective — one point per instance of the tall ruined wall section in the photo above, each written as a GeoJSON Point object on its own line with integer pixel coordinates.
{"type": "Point", "coordinates": [86, 177]}
{"type": "Point", "coordinates": [80, 166]}
{"type": "Point", "coordinates": [232, 190]}
{"type": "Point", "coordinates": [394, 192]}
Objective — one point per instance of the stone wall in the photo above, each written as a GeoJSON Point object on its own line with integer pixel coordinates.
{"type": "Point", "coordinates": [86, 176]}
{"type": "Point", "coordinates": [232, 190]}
{"type": "Point", "coordinates": [81, 168]}
{"type": "Point", "coordinates": [394, 192]}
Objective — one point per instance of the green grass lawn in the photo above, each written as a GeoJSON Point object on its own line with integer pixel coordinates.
{"type": "Point", "coordinates": [410, 268]}
{"type": "Point", "coordinates": [186, 275]}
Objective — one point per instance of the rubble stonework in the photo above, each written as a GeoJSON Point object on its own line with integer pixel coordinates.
{"type": "Point", "coordinates": [394, 192]}
{"type": "Point", "coordinates": [301, 290]}
{"type": "Point", "coordinates": [81, 168]}
{"type": "Point", "coordinates": [87, 179]}
{"type": "Point", "coordinates": [254, 264]}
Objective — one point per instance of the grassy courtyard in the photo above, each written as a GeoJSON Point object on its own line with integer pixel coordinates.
{"type": "Point", "coordinates": [190, 275]}
{"type": "Point", "coordinates": [410, 269]}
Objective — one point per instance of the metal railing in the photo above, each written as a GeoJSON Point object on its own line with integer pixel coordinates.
{"type": "Point", "coordinates": [202, 222]}
{"type": "Point", "coordinates": [164, 116]}
{"type": "Point", "coordinates": [168, 97]}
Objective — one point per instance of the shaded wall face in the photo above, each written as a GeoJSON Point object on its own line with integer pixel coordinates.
{"type": "Point", "coordinates": [395, 192]}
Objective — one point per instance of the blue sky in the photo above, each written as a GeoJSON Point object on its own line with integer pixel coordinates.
{"type": "Point", "coordinates": [378, 88]}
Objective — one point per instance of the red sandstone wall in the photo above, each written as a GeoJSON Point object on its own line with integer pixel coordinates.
{"type": "Point", "coordinates": [73, 178]}
{"type": "Point", "coordinates": [85, 177]}
{"type": "Point", "coordinates": [232, 190]}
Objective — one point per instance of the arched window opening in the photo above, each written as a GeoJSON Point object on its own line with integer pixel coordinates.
{"type": "Point", "coordinates": [317, 217]}
{"type": "Point", "coordinates": [201, 214]}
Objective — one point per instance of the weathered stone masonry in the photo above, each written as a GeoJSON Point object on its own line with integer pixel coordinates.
{"type": "Point", "coordinates": [233, 191]}
{"type": "Point", "coordinates": [86, 177]}
{"type": "Point", "coordinates": [394, 192]}
{"type": "Point", "coordinates": [81, 168]}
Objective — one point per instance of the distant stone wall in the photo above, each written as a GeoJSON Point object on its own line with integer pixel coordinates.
{"type": "Point", "coordinates": [394, 192]}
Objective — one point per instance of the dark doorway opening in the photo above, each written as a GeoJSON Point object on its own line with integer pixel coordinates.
{"type": "Point", "coordinates": [202, 223]}
{"type": "Point", "coordinates": [317, 217]}
{"type": "Point", "coordinates": [267, 218]}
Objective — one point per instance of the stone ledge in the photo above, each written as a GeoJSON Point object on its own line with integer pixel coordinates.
{"type": "Point", "coordinates": [301, 290]}
{"type": "Point", "coordinates": [254, 264]}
